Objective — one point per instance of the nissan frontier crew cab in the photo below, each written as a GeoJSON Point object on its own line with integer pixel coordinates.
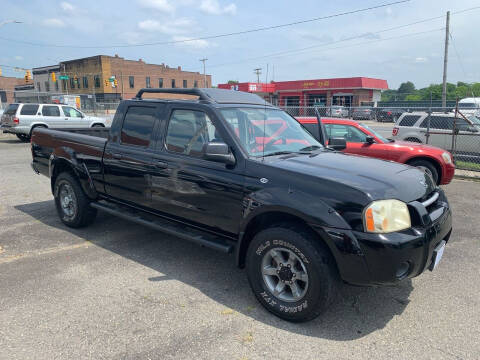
{"type": "Point", "coordinates": [229, 171]}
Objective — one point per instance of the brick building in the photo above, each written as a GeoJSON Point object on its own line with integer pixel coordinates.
{"type": "Point", "coordinates": [92, 76]}
{"type": "Point", "coordinates": [7, 87]}
{"type": "Point", "coordinates": [320, 92]}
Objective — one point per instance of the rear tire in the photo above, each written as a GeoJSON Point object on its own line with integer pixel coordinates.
{"type": "Point", "coordinates": [292, 275]}
{"type": "Point", "coordinates": [23, 138]}
{"type": "Point", "coordinates": [73, 206]}
{"type": "Point", "coordinates": [428, 167]}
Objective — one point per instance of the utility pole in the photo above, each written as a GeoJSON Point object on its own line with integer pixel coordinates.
{"type": "Point", "coordinates": [204, 74]}
{"type": "Point", "coordinates": [445, 62]}
{"type": "Point", "coordinates": [258, 71]}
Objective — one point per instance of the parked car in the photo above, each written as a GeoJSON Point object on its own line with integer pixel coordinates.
{"type": "Point", "coordinates": [469, 106]}
{"type": "Point", "coordinates": [389, 115]}
{"type": "Point", "coordinates": [363, 113]}
{"type": "Point", "coordinates": [21, 119]}
{"type": "Point", "coordinates": [413, 127]}
{"type": "Point", "coordinates": [362, 140]}
{"type": "Point", "coordinates": [337, 111]}
{"type": "Point", "coordinates": [232, 173]}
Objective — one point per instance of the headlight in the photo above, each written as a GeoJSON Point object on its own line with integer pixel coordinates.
{"type": "Point", "coordinates": [386, 216]}
{"type": "Point", "coordinates": [447, 157]}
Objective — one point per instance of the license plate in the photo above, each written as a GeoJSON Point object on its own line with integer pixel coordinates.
{"type": "Point", "coordinates": [437, 255]}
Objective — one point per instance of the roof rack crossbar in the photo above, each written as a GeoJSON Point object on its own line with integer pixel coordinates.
{"type": "Point", "coordinates": [196, 92]}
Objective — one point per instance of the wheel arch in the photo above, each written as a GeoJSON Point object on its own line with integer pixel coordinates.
{"type": "Point", "coordinates": [64, 164]}
{"type": "Point", "coordinates": [270, 219]}
{"type": "Point", "coordinates": [430, 160]}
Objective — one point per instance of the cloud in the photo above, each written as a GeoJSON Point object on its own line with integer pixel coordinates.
{"type": "Point", "coordinates": [421, 59]}
{"type": "Point", "coordinates": [214, 8]}
{"type": "Point", "coordinates": [67, 7]}
{"type": "Point", "coordinates": [197, 44]}
{"type": "Point", "coordinates": [177, 26]}
{"type": "Point", "coordinates": [53, 22]}
{"type": "Point", "coordinates": [160, 5]}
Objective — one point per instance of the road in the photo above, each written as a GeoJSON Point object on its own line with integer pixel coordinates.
{"type": "Point", "coordinates": [117, 290]}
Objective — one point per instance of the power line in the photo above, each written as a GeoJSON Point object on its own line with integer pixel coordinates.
{"type": "Point", "coordinates": [264, 28]}
{"type": "Point", "coordinates": [287, 52]}
{"type": "Point", "coordinates": [458, 56]}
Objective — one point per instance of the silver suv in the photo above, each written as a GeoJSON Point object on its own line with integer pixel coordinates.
{"type": "Point", "coordinates": [21, 119]}
{"type": "Point", "coordinates": [413, 127]}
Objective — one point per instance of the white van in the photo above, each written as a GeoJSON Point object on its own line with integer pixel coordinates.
{"type": "Point", "coordinates": [469, 106]}
{"type": "Point", "coordinates": [21, 119]}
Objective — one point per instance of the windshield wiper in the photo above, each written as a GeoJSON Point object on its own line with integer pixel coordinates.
{"type": "Point", "coordinates": [310, 148]}
{"type": "Point", "coordinates": [279, 153]}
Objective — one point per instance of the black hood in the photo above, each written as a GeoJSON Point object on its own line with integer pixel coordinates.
{"type": "Point", "coordinates": [377, 179]}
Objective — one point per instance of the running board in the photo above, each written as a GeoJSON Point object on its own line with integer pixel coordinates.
{"type": "Point", "coordinates": [166, 226]}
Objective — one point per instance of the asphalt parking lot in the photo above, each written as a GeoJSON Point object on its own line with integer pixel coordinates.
{"type": "Point", "coordinates": [117, 290]}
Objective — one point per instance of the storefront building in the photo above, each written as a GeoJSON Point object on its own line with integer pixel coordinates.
{"type": "Point", "coordinates": [355, 91]}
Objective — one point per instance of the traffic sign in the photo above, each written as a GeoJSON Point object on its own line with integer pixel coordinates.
{"type": "Point", "coordinates": [63, 77]}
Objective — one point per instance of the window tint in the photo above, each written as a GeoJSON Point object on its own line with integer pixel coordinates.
{"type": "Point", "coordinates": [189, 131]}
{"type": "Point", "coordinates": [12, 109]}
{"type": "Point", "coordinates": [409, 120]}
{"type": "Point", "coordinates": [349, 133]}
{"type": "Point", "coordinates": [138, 125]}
{"type": "Point", "coordinates": [438, 122]}
{"type": "Point", "coordinates": [50, 110]}
{"type": "Point", "coordinates": [29, 110]}
{"type": "Point", "coordinates": [71, 112]}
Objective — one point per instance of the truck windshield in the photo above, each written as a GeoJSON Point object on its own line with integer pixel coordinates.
{"type": "Point", "coordinates": [269, 131]}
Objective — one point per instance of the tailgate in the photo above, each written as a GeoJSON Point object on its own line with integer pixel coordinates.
{"type": "Point", "coordinates": [7, 120]}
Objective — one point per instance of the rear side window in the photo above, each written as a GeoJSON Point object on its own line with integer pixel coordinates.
{"type": "Point", "coordinates": [48, 110]}
{"type": "Point", "coordinates": [11, 109]}
{"type": "Point", "coordinates": [409, 120]}
{"type": "Point", "coordinates": [438, 122]}
{"type": "Point", "coordinates": [138, 126]}
{"type": "Point", "coordinates": [29, 110]}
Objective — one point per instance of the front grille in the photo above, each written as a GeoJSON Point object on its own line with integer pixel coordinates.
{"type": "Point", "coordinates": [430, 206]}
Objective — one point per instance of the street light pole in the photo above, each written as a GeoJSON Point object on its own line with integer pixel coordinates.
{"type": "Point", "coordinates": [204, 75]}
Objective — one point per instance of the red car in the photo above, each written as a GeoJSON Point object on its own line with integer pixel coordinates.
{"type": "Point", "coordinates": [362, 140]}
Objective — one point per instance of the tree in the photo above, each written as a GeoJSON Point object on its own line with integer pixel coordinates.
{"type": "Point", "coordinates": [232, 82]}
{"type": "Point", "coordinates": [406, 88]}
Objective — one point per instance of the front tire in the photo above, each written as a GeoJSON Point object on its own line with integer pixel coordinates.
{"type": "Point", "coordinates": [291, 273]}
{"type": "Point", "coordinates": [73, 206]}
{"type": "Point", "coordinates": [427, 167]}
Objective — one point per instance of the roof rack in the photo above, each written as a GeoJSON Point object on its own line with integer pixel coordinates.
{"type": "Point", "coordinates": [195, 92]}
{"type": "Point", "coordinates": [220, 96]}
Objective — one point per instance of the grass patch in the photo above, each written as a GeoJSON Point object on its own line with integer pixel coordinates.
{"type": "Point", "coordinates": [466, 165]}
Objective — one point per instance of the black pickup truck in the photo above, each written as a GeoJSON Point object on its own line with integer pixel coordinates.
{"type": "Point", "coordinates": [229, 171]}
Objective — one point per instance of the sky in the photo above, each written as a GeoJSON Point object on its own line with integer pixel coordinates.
{"type": "Point", "coordinates": [359, 44]}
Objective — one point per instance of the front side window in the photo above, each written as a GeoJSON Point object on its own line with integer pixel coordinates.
{"type": "Point", "coordinates": [189, 131]}
{"type": "Point", "coordinates": [138, 126]}
{"type": "Point", "coordinates": [29, 110]}
{"type": "Point", "coordinates": [131, 82]}
{"type": "Point", "coordinates": [71, 112]}
{"type": "Point", "coordinates": [50, 110]}
{"type": "Point", "coordinates": [268, 131]}
{"type": "Point", "coordinates": [349, 133]}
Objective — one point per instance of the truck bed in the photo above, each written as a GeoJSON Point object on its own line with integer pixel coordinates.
{"type": "Point", "coordinates": [85, 146]}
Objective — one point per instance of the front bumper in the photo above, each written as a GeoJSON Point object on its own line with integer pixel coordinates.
{"type": "Point", "coordinates": [448, 173]}
{"type": "Point", "coordinates": [383, 259]}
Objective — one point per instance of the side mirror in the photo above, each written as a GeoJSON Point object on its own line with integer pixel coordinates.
{"type": "Point", "coordinates": [370, 140]}
{"type": "Point", "coordinates": [219, 152]}
{"type": "Point", "coordinates": [337, 143]}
